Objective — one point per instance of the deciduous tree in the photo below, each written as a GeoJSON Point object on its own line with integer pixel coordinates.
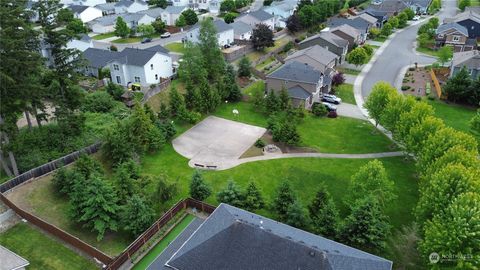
{"type": "Point", "coordinates": [244, 67]}
{"type": "Point", "coordinates": [137, 215]}
{"type": "Point", "coordinates": [357, 56]}
{"type": "Point", "coordinates": [378, 100]}
{"type": "Point", "coordinates": [191, 17]}
{"type": "Point", "coordinates": [121, 28]}
{"type": "Point", "coordinates": [262, 37]}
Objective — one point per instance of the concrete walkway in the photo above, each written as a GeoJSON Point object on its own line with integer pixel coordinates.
{"type": "Point", "coordinates": [227, 164]}
{"type": "Point", "coordinates": [350, 78]}
{"type": "Point", "coordinates": [350, 110]}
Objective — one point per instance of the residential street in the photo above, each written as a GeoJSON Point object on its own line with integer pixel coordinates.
{"type": "Point", "coordinates": [401, 53]}
{"type": "Point", "coordinates": [157, 41]}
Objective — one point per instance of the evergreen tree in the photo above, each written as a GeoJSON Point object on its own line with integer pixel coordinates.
{"type": "Point", "coordinates": [272, 103]}
{"type": "Point", "coordinates": [199, 190]}
{"type": "Point", "coordinates": [284, 99]}
{"type": "Point", "coordinates": [253, 199]}
{"type": "Point", "coordinates": [324, 214]}
{"type": "Point", "coordinates": [177, 104]}
{"type": "Point", "coordinates": [296, 216]}
{"type": "Point", "coordinates": [192, 69]}
{"type": "Point", "coordinates": [457, 87]}
{"type": "Point", "coordinates": [191, 95]}
{"type": "Point", "coordinates": [116, 145]}
{"type": "Point", "coordinates": [124, 182]}
{"type": "Point", "coordinates": [231, 194]}
{"type": "Point", "coordinates": [190, 17]}
{"type": "Point", "coordinates": [284, 197]}
{"type": "Point", "coordinates": [137, 215]}
{"type": "Point", "coordinates": [244, 67]}
{"type": "Point", "coordinates": [232, 90]}
{"type": "Point", "coordinates": [214, 62]}
{"type": "Point", "coordinates": [165, 190]}
{"type": "Point", "coordinates": [209, 98]}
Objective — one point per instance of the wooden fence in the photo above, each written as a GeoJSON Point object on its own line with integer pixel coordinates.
{"type": "Point", "coordinates": [436, 84]}
{"type": "Point", "coordinates": [150, 232]}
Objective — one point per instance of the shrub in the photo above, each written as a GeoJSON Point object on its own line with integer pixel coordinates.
{"type": "Point", "coordinates": [332, 114]}
{"type": "Point", "coordinates": [113, 48]}
{"type": "Point", "coordinates": [431, 97]}
{"type": "Point", "coordinates": [418, 98]}
{"type": "Point", "coordinates": [259, 143]}
{"type": "Point", "coordinates": [288, 47]}
{"type": "Point", "coordinates": [411, 68]}
{"type": "Point", "coordinates": [405, 87]}
{"type": "Point", "coordinates": [338, 79]}
{"type": "Point", "coordinates": [319, 109]}
{"type": "Point", "coordinates": [99, 101]}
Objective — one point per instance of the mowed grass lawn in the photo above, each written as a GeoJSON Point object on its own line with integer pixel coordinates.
{"type": "Point", "coordinates": [103, 36]}
{"type": "Point", "coordinates": [175, 47]}
{"type": "Point", "coordinates": [455, 116]}
{"type": "Point", "coordinates": [42, 251]}
{"type": "Point", "coordinates": [345, 92]}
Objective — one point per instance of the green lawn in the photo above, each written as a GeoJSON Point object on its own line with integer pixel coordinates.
{"type": "Point", "coordinates": [254, 87]}
{"type": "Point", "coordinates": [162, 245]}
{"type": "Point", "coordinates": [380, 38]}
{"type": "Point", "coordinates": [104, 36]}
{"type": "Point", "coordinates": [42, 251]}
{"type": "Point", "coordinates": [427, 51]}
{"type": "Point", "coordinates": [345, 92]}
{"type": "Point", "coordinates": [265, 63]}
{"type": "Point", "coordinates": [3, 177]}
{"type": "Point", "coordinates": [175, 47]}
{"type": "Point", "coordinates": [349, 71]}
{"type": "Point", "coordinates": [455, 116]}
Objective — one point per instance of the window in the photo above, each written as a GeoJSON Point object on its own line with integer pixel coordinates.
{"type": "Point", "coordinates": [118, 79]}
{"type": "Point", "coordinates": [137, 79]}
{"type": "Point", "coordinates": [151, 66]}
{"type": "Point", "coordinates": [456, 38]}
{"type": "Point", "coordinates": [156, 76]}
{"type": "Point", "coordinates": [115, 67]}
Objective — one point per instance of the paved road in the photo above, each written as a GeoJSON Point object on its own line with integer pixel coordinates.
{"type": "Point", "coordinates": [258, 4]}
{"type": "Point", "coordinates": [401, 53]}
{"type": "Point", "coordinates": [156, 41]}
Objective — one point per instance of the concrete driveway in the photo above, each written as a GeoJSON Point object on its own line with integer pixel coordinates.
{"type": "Point", "coordinates": [216, 140]}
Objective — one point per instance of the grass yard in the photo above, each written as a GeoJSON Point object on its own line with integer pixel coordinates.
{"type": "Point", "coordinates": [427, 51]}
{"type": "Point", "coordinates": [175, 47]}
{"type": "Point", "coordinates": [454, 116]}
{"type": "Point", "coordinates": [42, 251]}
{"type": "Point", "coordinates": [254, 87]}
{"type": "Point", "coordinates": [162, 245]}
{"type": "Point", "coordinates": [127, 40]}
{"type": "Point", "coordinates": [380, 38]}
{"type": "Point", "coordinates": [265, 63]}
{"type": "Point", "coordinates": [345, 92]}
{"type": "Point", "coordinates": [349, 71]}
{"type": "Point", "coordinates": [155, 101]}
{"type": "Point", "coordinates": [103, 36]}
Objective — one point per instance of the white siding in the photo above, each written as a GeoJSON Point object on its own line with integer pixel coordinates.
{"type": "Point", "coordinates": [101, 29]}
{"type": "Point", "coordinates": [79, 45]}
{"type": "Point", "coordinates": [89, 14]}
{"type": "Point", "coordinates": [162, 67]}
{"type": "Point", "coordinates": [244, 36]}
{"type": "Point", "coordinates": [133, 8]}
{"type": "Point", "coordinates": [225, 37]}
{"type": "Point", "coordinates": [89, 3]}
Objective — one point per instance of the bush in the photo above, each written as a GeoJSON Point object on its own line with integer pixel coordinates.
{"type": "Point", "coordinates": [411, 69]}
{"type": "Point", "coordinates": [338, 79]}
{"type": "Point", "coordinates": [98, 101]}
{"type": "Point", "coordinates": [113, 48]}
{"type": "Point", "coordinates": [405, 87]}
{"type": "Point", "coordinates": [431, 97]}
{"type": "Point", "coordinates": [318, 109]}
{"type": "Point", "coordinates": [288, 47]}
{"type": "Point", "coordinates": [259, 143]}
{"type": "Point", "coordinates": [332, 114]}
{"type": "Point", "coordinates": [115, 90]}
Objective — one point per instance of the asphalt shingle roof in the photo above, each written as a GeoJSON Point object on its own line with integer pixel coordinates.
{"type": "Point", "coordinates": [175, 9]}
{"type": "Point", "coordinates": [153, 12]}
{"type": "Point", "coordinates": [105, 20]}
{"type": "Point", "coordinates": [127, 3]}
{"type": "Point", "coordinates": [470, 59]}
{"type": "Point", "coordinates": [347, 29]}
{"type": "Point", "coordinates": [357, 23]}
{"type": "Point", "coordinates": [240, 28]}
{"type": "Point", "coordinates": [261, 15]}
{"type": "Point", "coordinates": [331, 38]}
{"type": "Point", "coordinates": [232, 238]}
{"type": "Point", "coordinates": [135, 57]}
{"type": "Point", "coordinates": [77, 8]}
{"type": "Point", "coordinates": [317, 53]}
{"type": "Point", "coordinates": [296, 71]}
{"type": "Point", "coordinates": [106, 6]}
{"type": "Point", "coordinates": [298, 92]}
{"type": "Point", "coordinates": [99, 58]}
{"type": "Point", "coordinates": [219, 25]}
{"type": "Point", "coordinates": [159, 49]}
{"type": "Point", "coordinates": [453, 25]}
{"type": "Point", "coordinates": [390, 6]}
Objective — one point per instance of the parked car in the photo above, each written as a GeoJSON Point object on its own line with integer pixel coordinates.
{"type": "Point", "coordinates": [146, 40]}
{"type": "Point", "coordinates": [330, 107]}
{"type": "Point", "coordinates": [226, 46]}
{"type": "Point", "coordinates": [165, 35]}
{"type": "Point", "coordinates": [331, 99]}
{"type": "Point", "coordinates": [416, 18]}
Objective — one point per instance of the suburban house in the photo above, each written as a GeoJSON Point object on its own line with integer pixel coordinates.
{"type": "Point", "coordinates": [96, 59]}
{"type": "Point", "coordinates": [225, 33]}
{"type": "Point", "coordinates": [140, 66]}
{"type": "Point", "coordinates": [106, 24]}
{"type": "Point", "coordinates": [470, 19]}
{"type": "Point", "coordinates": [214, 6]}
{"type": "Point", "coordinates": [153, 12]}
{"type": "Point", "coordinates": [282, 10]}
{"type": "Point", "coordinates": [90, 3]}
{"type": "Point", "coordinates": [303, 83]}
{"type": "Point", "coordinates": [390, 7]}
{"type": "Point", "coordinates": [348, 33]}
{"type": "Point", "coordinates": [130, 6]}
{"type": "Point", "coordinates": [85, 13]}
{"type": "Point", "coordinates": [244, 240]}
{"type": "Point", "coordinates": [11, 260]}
{"type": "Point", "coordinates": [257, 17]}
{"type": "Point", "coordinates": [381, 16]}
{"type": "Point", "coordinates": [107, 8]}
{"type": "Point", "coordinates": [241, 30]}
{"type": "Point", "coordinates": [419, 6]}
{"type": "Point", "coordinates": [470, 60]}
{"type": "Point", "coordinates": [360, 24]}
{"type": "Point", "coordinates": [180, 3]}
{"type": "Point", "coordinates": [329, 41]}
{"type": "Point", "coordinates": [171, 13]}
{"type": "Point", "coordinates": [455, 35]}
{"type": "Point", "coordinates": [82, 43]}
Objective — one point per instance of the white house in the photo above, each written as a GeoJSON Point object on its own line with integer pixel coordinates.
{"type": "Point", "coordinates": [130, 6]}
{"type": "Point", "coordinates": [107, 8]}
{"type": "Point", "coordinates": [135, 19]}
{"type": "Point", "coordinates": [171, 13]}
{"type": "Point", "coordinates": [180, 3]}
{"type": "Point", "coordinates": [85, 13]}
{"type": "Point", "coordinates": [144, 67]}
{"type": "Point", "coordinates": [153, 12]}
{"type": "Point", "coordinates": [257, 17]}
{"type": "Point", "coordinates": [281, 10]}
{"type": "Point", "coordinates": [82, 43]}
{"type": "Point", "coordinates": [225, 33]}
{"type": "Point", "coordinates": [242, 30]}
{"type": "Point", "coordinates": [90, 3]}
{"type": "Point", "coordinates": [214, 7]}
{"type": "Point", "coordinates": [106, 24]}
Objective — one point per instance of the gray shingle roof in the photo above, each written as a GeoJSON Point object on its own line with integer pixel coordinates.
{"type": "Point", "coordinates": [232, 238]}
{"type": "Point", "coordinates": [317, 53]}
{"type": "Point", "coordinates": [127, 3]}
{"type": "Point", "coordinates": [390, 6]}
{"type": "Point", "coordinates": [106, 6]}
{"type": "Point", "coordinates": [175, 9]}
{"type": "Point", "coordinates": [453, 25]}
{"type": "Point", "coordinates": [298, 92]}
{"type": "Point", "coordinates": [135, 57]}
{"type": "Point", "coordinates": [261, 15]}
{"type": "Point", "coordinates": [152, 12]}
{"type": "Point", "coordinates": [159, 49]}
{"type": "Point", "coordinates": [331, 38]}
{"type": "Point", "coordinates": [421, 3]}
{"type": "Point", "coordinates": [470, 59]}
{"type": "Point", "coordinates": [77, 8]}
{"type": "Point", "coordinates": [240, 28]}
{"type": "Point", "coordinates": [220, 26]}
{"type": "Point", "coordinates": [357, 23]}
{"type": "Point", "coordinates": [105, 20]}
{"type": "Point", "coordinates": [99, 58]}
{"type": "Point", "coordinates": [298, 72]}
{"type": "Point", "coordinates": [347, 29]}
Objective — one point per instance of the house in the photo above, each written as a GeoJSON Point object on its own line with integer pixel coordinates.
{"type": "Point", "coordinates": [140, 66]}
{"type": "Point", "coordinates": [419, 6]}
{"type": "Point", "coordinates": [82, 43]}
{"type": "Point", "coordinates": [470, 19]}
{"type": "Point", "coordinates": [225, 33]}
{"type": "Point", "coordinates": [298, 76]}
{"type": "Point", "coordinates": [348, 33]}
{"type": "Point", "coordinates": [455, 35]}
{"type": "Point", "coordinates": [281, 10]}
{"type": "Point", "coordinates": [171, 13]}
{"type": "Point", "coordinates": [11, 261]}
{"type": "Point", "coordinates": [235, 239]}
{"type": "Point", "coordinates": [97, 59]}
{"type": "Point", "coordinates": [329, 41]}
{"type": "Point", "coordinates": [470, 60]}
{"type": "Point", "coordinates": [360, 24]}
{"type": "Point", "coordinates": [180, 3]}
{"type": "Point", "coordinates": [241, 30]}
{"type": "Point", "coordinates": [90, 3]}
{"type": "Point", "coordinates": [371, 20]}
{"type": "Point", "coordinates": [390, 7]}
{"type": "Point", "coordinates": [214, 6]}
{"type": "Point", "coordinates": [257, 17]}
{"type": "Point", "coordinates": [107, 8]}
{"type": "Point", "coordinates": [381, 16]}
{"type": "Point", "coordinates": [106, 24]}
{"type": "Point", "coordinates": [130, 6]}
{"type": "Point", "coordinates": [85, 13]}
{"type": "Point", "coordinates": [153, 12]}
{"type": "Point", "coordinates": [199, 4]}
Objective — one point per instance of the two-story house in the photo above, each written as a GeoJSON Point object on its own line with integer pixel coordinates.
{"type": "Point", "coordinates": [282, 10]}
{"type": "Point", "coordinates": [225, 33]}
{"type": "Point", "coordinates": [106, 24]}
{"type": "Point", "coordinates": [470, 19]}
{"type": "Point", "coordinates": [329, 41]}
{"type": "Point", "coordinates": [302, 82]}
{"type": "Point", "coordinates": [90, 3]}
{"type": "Point", "coordinates": [348, 33]}
{"type": "Point", "coordinates": [455, 35]}
{"type": "Point", "coordinates": [107, 8]}
{"type": "Point", "coordinates": [241, 30]}
{"type": "Point", "coordinates": [140, 66]}
{"type": "Point", "coordinates": [361, 25]}
{"type": "Point", "coordinates": [171, 14]}
{"type": "Point", "coordinates": [469, 60]}
{"type": "Point", "coordinates": [258, 17]}
{"type": "Point", "coordinates": [130, 6]}
{"type": "Point", "coordinates": [85, 13]}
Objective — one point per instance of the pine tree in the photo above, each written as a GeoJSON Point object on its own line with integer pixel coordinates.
{"type": "Point", "coordinates": [284, 197]}
{"type": "Point", "coordinates": [209, 99]}
{"type": "Point", "coordinates": [231, 194]}
{"type": "Point", "coordinates": [296, 216]}
{"type": "Point", "coordinates": [232, 90]}
{"type": "Point", "coordinates": [137, 215]}
{"type": "Point", "coordinates": [165, 190]}
{"type": "Point", "coordinates": [271, 102]}
{"type": "Point", "coordinates": [191, 96]}
{"type": "Point", "coordinates": [284, 99]}
{"type": "Point", "coordinates": [199, 190]}
{"type": "Point", "coordinates": [253, 199]}
{"type": "Point", "coordinates": [244, 67]}
{"type": "Point", "coordinates": [324, 214]}
{"type": "Point", "coordinates": [124, 183]}
{"type": "Point", "coordinates": [177, 104]}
